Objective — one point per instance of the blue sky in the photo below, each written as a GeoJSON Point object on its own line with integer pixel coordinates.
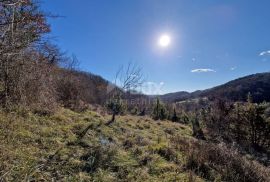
{"type": "Point", "coordinates": [212, 42]}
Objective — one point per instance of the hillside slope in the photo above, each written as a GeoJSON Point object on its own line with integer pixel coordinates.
{"type": "Point", "coordinates": [236, 90]}
{"type": "Point", "coordinates": [179, 96]}
{"type": "Point", "coordinates": [60, 147]}
{"type": "Point", "coordinates": [176, 96]}
{"type": "Point", "coordinates": [258, 85]}
{"type": "Point", "coordinates": [69, 146]}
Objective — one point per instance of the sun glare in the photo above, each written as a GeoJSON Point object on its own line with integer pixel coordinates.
{"type": "Point", "coordinates": [164, 40]}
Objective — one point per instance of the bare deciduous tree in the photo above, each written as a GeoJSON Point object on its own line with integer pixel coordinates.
{"type": "Point", "coordinates": [126, 81]}
{"type": "Point", "coordinates": [21, 25]}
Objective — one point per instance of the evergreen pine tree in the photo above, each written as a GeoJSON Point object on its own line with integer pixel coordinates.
{"type": "Point", "coordinates": [174, 117]}
{"type": "Point", "coordinates": [159, 111]}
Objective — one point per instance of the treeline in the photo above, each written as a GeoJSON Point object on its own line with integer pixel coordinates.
{"type": "Point", "coordinates": [257, 84]}
{"type": "Point", "coordinates": [35, 74]}
{"type": "Point", "coordinates": [245, 125]}
{"type": "Point", "coordinates": [236, 90]}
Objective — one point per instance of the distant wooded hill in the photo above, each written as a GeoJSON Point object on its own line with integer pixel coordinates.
{"type": "Point", "coordinates": [93, 89]}
{"type": "Point", "coordinates": [257, 84]}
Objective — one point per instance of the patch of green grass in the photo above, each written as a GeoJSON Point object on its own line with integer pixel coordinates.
{"type": "Point", "coordinates": [70, 146]}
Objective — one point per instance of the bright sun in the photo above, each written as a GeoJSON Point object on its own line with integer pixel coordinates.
{"type": "Point", "coordinates": [164, 40]}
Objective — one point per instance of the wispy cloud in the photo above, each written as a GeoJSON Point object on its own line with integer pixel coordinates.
{"type": "Point", "coordinates": [233, 68]}
{"type": "Point", "coordinates": [202, 70]}
{"type": "Point", "coordinates": [265, 53]}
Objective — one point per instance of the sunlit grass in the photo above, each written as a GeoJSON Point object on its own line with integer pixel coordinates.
{"type": "Point", "coordinates": [50, 147]}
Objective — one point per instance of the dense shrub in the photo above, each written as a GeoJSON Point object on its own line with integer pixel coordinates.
{"type": "Point", "coordinates": [210, 160]}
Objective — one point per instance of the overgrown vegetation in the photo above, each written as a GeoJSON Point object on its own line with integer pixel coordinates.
{"type": "Point", "coordinates": [72, 146]}
{"type": "Point", "coordinates": [59, 124]}
{"type": "Point", "coordinates": [58, 147]}
{"type": "Point", "coordinates": [34, 73]}
{"type": "Point", "coordinates": [244, 124]}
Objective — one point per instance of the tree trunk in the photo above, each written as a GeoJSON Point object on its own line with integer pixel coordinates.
{"type": "Point", "coordinates": [113, 117]}
{"type": "Point", "coordinates": [112, 120]}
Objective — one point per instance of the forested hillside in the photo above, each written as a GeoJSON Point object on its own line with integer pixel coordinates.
{"type": "Point", "coordinates": [34, 73]}
{"type": "Point", "coordinates": [236, 90]}
{"type": "Point", "coordinates": [258, 85]}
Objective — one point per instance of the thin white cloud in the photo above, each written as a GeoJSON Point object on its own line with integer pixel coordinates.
{"type": "Point", "coordinates": [202, 70]}
{"type": "Point", "coordinates": [265, 53]}
{"type": "Point", "coordinates": [233, 68]}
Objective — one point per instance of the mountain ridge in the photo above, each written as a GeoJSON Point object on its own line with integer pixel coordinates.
{"type": "Point", "coordinates": [257, 84]}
